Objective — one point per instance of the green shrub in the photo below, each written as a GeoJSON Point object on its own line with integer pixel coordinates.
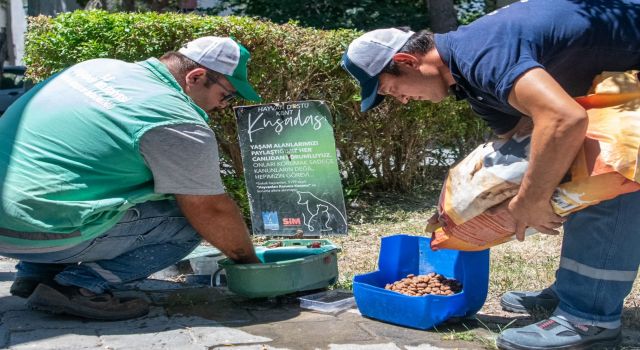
{"type": "Point", "coordinates": [289, 62]}
{"type": "Point", "coordinates": [237, 190]}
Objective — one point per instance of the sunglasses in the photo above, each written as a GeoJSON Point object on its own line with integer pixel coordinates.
{"type": "Point", "coordinates": [229, 95]}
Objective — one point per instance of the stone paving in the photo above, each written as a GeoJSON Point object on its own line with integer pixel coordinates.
{"type": "Point", "coordinates": [189, 316]}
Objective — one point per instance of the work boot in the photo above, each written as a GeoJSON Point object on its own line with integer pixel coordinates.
{"type": "Point", "coordinates": [521, 302]}
{"type": "Point", "coordinates": [72, 300]}
{"type": "Point", "coordinates": [23, 286]}
{"type": "Point", "coordinates": [558, 333]}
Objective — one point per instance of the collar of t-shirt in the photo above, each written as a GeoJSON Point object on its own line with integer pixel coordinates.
{"type": "Point", "coordinates": [160, 71]}
{"type": "Point", "coordinates": [462, 89]}
{"type": "Point", "coordinates": [499, 116]}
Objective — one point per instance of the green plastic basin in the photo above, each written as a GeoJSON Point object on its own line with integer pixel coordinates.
{"type": "Point", "coordinates": [287, 269]}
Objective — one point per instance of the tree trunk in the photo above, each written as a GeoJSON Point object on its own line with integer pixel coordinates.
{"type": "Point", "coordinates": [94, 4]}
{"type": "Point", "coordinates": [128, 5]}
{"type": "Point", "coordinates": [158, 5]}
{"type": "Point", "coordinates": [442, 15]}
{"type": "Point", "coordinates": [50, 8]}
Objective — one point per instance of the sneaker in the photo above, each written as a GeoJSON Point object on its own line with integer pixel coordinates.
{"type": "Point", "coordinates": [558, 333]}
{"type": "Point", "coordinates": [71, 300]}
{"type": "Point", "coordinates": [544, 300]}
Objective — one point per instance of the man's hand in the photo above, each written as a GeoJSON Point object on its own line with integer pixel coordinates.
{"type": "Point", "coordinates": [218, 220]}
{"type": "Point", "coordinates": [560, 126]}
{"type": "Point", "coordinates": [539, 215]}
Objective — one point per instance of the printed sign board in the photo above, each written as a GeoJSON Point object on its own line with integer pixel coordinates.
{"type": "Point", "coordinates": [291, 169]}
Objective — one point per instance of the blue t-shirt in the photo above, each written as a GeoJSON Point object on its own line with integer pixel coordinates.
{"type": "Point", "coordinates": [573, 40]}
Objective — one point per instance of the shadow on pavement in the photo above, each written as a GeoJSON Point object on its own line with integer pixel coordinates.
{"type": "Point", "coordinates": [177, 320]}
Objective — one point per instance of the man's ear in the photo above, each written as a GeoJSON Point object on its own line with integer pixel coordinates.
{"type": "Point", "coordinates": [406, 59]}
{"type": "Point", "coordinates": [195, 75]}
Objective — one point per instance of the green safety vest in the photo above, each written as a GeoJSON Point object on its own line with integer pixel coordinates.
{"type": "Point", "coordinates": [70, 165]}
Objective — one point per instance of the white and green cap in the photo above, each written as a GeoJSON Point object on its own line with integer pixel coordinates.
{"type": "Point", "coordinates": [225, 56]}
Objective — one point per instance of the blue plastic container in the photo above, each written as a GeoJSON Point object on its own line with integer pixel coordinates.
{"type": "Point", "coordinates": [401, 255]}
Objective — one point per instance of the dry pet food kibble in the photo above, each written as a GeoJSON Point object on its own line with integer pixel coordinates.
{"type": "Point", "coordinates": [275, 245]}
{"type": "Point", "coordinates": [431, 283]}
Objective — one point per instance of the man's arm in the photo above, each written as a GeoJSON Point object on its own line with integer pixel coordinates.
{"type": "Point", "coordinates": [524, 127]}
{"type": "Point", "coordinates": [218, 220]}
{"type": "Point", "coordinates": [500, 122]}
{"type": "Point", "coordinates": [560, 125]}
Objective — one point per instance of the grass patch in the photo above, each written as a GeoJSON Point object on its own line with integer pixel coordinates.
{"type": "Point", "coordinates": [465, 336]}
{"type": "Point", "coordinates": [529, 265]}
{"type": "Point", "coordinates": [482, 335]}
